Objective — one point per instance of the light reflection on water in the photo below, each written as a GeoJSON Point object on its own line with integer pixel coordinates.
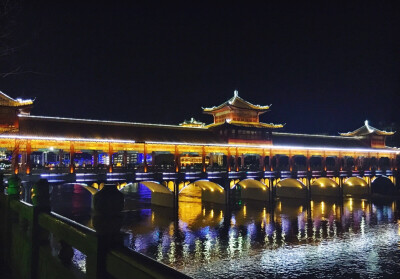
{"type": "Point", "coordinates": [353, 238]}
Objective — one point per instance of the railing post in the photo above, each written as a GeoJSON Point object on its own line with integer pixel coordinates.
{"type": "Point", "coordinates": [1, 183]}
{"type": "Point", "coordinates": [41, 204]}
{"type": "Point", "coordinates": [13, 190]}
{"type": "Point", "coordinates": [3, 209]}
{"type": "Point", "coordinates": [107, 221]}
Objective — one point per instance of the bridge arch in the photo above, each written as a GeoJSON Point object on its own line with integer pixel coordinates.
{"type": "Point", "coordinates": [253, 189]}
{"type": "Point", "coordinates": [160, 194]}
{"type": "Point", "coordinates": [382, 185]}
{"type": "Point", "coordinates": [324, 186]}
{"type": "Point", "coordinates": [355, 186]}
{"type": "Point", "coordinates": [291, 188]}
{"type": "Point", "coordinates": [210, 191]}
{"type": "Point", "coordinates": [92, 190]}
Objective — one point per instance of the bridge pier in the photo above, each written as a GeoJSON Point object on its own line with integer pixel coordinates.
{"type": "Point", "coordinates": [227, 189]}
{"type": "Point", "coordinates": [176, 194]}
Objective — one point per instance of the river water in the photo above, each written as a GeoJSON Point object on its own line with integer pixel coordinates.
{"type": "Point", "coordinates": [348, 238]}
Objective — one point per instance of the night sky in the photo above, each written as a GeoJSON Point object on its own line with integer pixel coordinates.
{"type": "Point", "coordinates": [324, 66]}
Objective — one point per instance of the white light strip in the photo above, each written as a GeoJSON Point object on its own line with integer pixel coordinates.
{"type": "Point", "coordinates": [282, 147]}
{"type": "Point", "coordinates": [107, 121]}
{"type": "Point", "coordinates": [314, 135]}
{"type": "Point", "coordinates": [64, 139]}
{"type": "Point", "coordinates": [273, 147]}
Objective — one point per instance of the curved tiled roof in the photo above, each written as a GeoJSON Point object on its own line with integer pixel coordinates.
{"type": "Point", "coordinates": [6, 100]}
{"type": "Point", "coordinates": [112, 130]}
{"type": "Point", "coordinates": [366, 130]}
{"type": "Point", "coordinates": [239, 103]}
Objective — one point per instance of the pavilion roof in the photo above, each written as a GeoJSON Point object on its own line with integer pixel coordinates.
{"type": "Point", "coordinates": [44, 126]}
{"type": "Point", "coordinates": [237, 102]}
{"type": "Point", "coordinates": [311, 140]}
{"type": "Point", "coordinates": [247, 124]}
{"type": "Point", "coordinates": [6, 100]}
{"type": "Point", "coordinates": [366, 130]}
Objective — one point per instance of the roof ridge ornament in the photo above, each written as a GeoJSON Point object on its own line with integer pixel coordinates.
{"type": "Point", "coordinates": [366, 130]}
{"type": "Point", "coordinates": [235, 93]}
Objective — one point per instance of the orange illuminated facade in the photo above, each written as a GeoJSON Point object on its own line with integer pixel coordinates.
{"type": "Point", "coordinates": [235, 135]}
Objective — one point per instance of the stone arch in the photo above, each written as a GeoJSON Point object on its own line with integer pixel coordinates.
{"type": "Point", "coordinates": [92, 190]}
{"type": "Point", "coordinates": [156, 187]}
{"type": "Point", "coordinates": [382, 185]}
{"type": "Point", "coordinates": [291, 188]}
{"type": "Point", "coordinates": [324, 186]}
{"type": "Point", "coordinates": [160, 195]}
{"type": "Point", "coordinates": [253, 190]}
{"type": "Point", "coordinates": [355, 186]}
{"type": "Point", "coordinates": [210, 191]}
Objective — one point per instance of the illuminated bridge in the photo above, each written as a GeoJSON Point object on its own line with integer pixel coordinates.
{"type": "Point", "coordinates": [236, 155]}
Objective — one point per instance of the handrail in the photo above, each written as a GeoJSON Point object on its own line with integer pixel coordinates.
{"type": "Point", "coordinates": [105, 253]}
{"type": "Point", "coordinates": [123, 262]}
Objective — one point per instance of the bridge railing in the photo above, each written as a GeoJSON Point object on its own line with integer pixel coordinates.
{"type": "Point", "coordinates": [37, 243]}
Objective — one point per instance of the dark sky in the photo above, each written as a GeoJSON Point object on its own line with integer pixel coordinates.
{"type": "Point", "coordinates": [325, 66]}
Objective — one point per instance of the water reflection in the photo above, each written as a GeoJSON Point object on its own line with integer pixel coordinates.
{"type": "Point", "coordinates": [288, 239]}
{"type": "Point", "coordinates": [291, 238]}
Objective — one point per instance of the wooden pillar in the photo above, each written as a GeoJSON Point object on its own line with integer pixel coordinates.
{"type": "Point", "coordinates": [60, 157]}
{"type": "Point", "coordinates": [95, 158]}
{"type": "Point", "coordinates": [290, 161]}
{"type": "Point", "coordinates": [270, 160]}
{"type": "Point", "coordinates": [340, 161]}
{"type": "Point", "coordinates": [28, 168]}
{"type": "Point", "coordinates": [308, 164]}
{"type": "Point", "coordinates": [71, 157]}
{"type": "Point", "coordinates": [228, 160]}
{"type": "Point", "coordinates": [393, 166]}
{"type": "Point", "coordinates": [360, 162]}
{"type": "Point", "coordinates": [323, 161]}
{"type": "Point", "coordinates": [110, 157]}
{"type": "Point", "coordinates": [211, 160]}
{"type": "Point", "coordinates": [145, 157]}
{"type": "Point", "coordinates": [203, 159]}
{"type": "Point", "coordinates": [378, 161]}
{"type": "Point", "coordinates": [355, 159]}
{"type": "Point", "coordinates": [369, 161]}
{"type": "Point", "coordinates": [277, 163]}
{"type": "Point", "coordinates": [236, 159]}
{"type": "Point", "coordinates": [177, 159]}
{"type": "Point", "coordinates": [242, 160]}
{"type": "Point", "coordinates": [125, 159]}
{"type": "Point", "coordinates": [14, 157]}
{"type": "Point", "coordinates": [262, 160]}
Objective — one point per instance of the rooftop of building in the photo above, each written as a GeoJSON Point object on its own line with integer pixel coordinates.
{"type": "Point", "coordinates": [366, 129]}
{"type": "Point", "coordinates": [237, 103]}
{"type": "Point", "coordinates": [6, 100]}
